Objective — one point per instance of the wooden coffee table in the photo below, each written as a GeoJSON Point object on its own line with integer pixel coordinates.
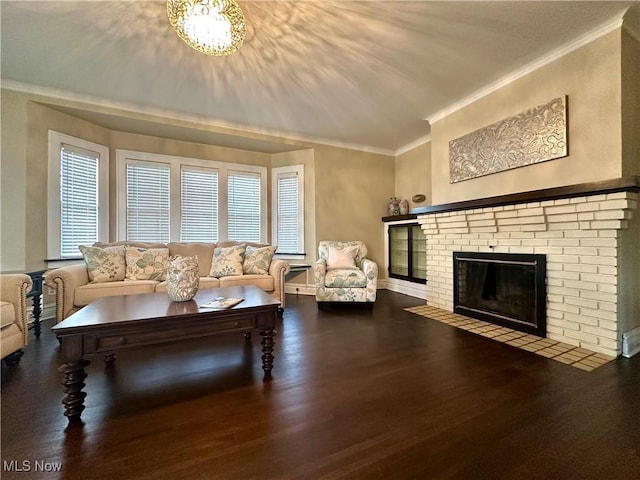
{"type": "Point", "coordinates": [127, 322]}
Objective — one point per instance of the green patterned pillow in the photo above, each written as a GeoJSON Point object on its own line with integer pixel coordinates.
{"type": "Point", "coordinates": [227, 261]}
{"type": "Point", "coordinates": [104, 264]}
{"type": "Point", "coordinates": [258, 259]}
{"type": "Point", "coordinates": [147, 263]}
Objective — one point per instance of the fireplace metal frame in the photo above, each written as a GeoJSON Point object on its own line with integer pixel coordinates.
{"type": "Point", "coordinates": [539, 262]}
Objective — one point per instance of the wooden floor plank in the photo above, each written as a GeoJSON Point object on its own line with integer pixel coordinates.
{"type": "Point", "coordinates": [355, 394]}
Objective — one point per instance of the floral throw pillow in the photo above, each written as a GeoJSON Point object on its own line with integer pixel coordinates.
{"type": "Point", "coordinates": [258, 259]}
{"type": "Point", "coordinates": [147, 263]}
{"type": "Point", "coordinates": [227, 261]}
{"type": "Point", "coordinates": [104, 264]}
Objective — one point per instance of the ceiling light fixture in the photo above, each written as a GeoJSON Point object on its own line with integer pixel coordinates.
{"type": "Point", "coordinates": [214, 27]}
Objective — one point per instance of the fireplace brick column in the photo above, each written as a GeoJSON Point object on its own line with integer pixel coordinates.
{"type": "Point", "coordinates": [584, 238]}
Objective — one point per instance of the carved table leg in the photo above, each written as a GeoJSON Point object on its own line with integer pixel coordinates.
{"type": "Point", "coordinates": [73, 383]}
{"type": "Point", "coordinates": [267, 350]}
{"type": "Point", "coordinates": [109, 359]}
{"type": "Point", "coordinates": [37, 311]}
{"type": "Point", "coordinates": [247, 336]}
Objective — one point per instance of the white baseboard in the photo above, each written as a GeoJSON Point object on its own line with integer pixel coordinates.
{"type": "Point", "coordinates": [417, 290]}
{"type": "Point", "coordinates": [631, 342]}
{"type": "Point", "coordinates": [408, 288]}
{"type": "Point", "coordinates": [300, 289]}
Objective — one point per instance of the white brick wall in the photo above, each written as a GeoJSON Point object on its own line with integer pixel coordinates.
{"type": "Point", "coordinates": [581, 239]}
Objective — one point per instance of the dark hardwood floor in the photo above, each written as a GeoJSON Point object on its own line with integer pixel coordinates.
{"type": "Point", "coordinates": [355, 394]}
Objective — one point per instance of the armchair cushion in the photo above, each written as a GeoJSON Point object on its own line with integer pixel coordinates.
{"type": "Point", "coordinates": [7, 314]}
{"type": "Point", "coordinates": [104, 264]}
{"type": "Point", "coordinates": [345, 278]}
{"type": "Point", "coordinates": [13, 312]}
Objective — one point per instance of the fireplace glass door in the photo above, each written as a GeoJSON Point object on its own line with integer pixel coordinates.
{"type": "Point", "coordinates": [507, 289]}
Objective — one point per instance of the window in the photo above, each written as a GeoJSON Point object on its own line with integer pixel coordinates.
{"type": "Point", "coordinates": [187, 199]}
{"type": "Point", "coordinates": [78, 205]}
{"type": "Point", "coordinates": [244, 206]}
{"type": "Point", "coordinates": [199, 204]}
{"type": "Point", "coordinates": [288, 209]}
{"type": "Point", "coordinates": [147, 211]}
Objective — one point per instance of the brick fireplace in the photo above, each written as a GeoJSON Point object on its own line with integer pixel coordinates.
{"type": "Point", "coordinates": [589, 234]}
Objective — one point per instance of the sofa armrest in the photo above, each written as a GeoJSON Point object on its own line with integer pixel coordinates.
{"type": "Point", "coordinates": [65, 280]}
{"type": "Point", "coordinates": [370, 269]}
{"type": "Point", "coordinates": [14, 289]}
{"type": "Point", "coordinates": [278, 269]}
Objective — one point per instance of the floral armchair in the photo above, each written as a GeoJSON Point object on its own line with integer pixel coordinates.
{"type": "Point", "coordinates": [344, 274]}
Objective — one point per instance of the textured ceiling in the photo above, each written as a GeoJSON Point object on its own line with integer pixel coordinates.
{"type": "Point", "coordinates": [364, 74]}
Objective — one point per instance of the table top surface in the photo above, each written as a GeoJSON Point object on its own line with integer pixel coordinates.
{"type": "Point", "coordinates": [122, 309]}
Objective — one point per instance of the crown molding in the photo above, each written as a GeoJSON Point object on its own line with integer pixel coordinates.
{"type": "Point", "coordinates": [416, 143]}
{"type": "Point", "coordinates": [576, 43]}
{"type": "Point", "coordinates": [227, 128]}
{"type": "Point", "coordinates": [631, 21]}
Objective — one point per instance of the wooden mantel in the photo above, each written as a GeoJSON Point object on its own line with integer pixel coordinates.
{"type": "Point", "coordinates": [622, 184]}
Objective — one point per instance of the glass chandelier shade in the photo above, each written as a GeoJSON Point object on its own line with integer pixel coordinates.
{"type": "Point", "coordinates": [213, 27]}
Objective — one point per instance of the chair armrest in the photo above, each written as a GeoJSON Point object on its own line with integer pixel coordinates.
{"type": "Point", "coordinates": [14, 288]}
{"type": "Point", "coordinates": [65, 280]}
{"type": "Point", "coordinates": [278, 269]}
{"type": "Point", "coordinates": [370, 269]}
{"type": "Point", "coordinates": [319, 274]}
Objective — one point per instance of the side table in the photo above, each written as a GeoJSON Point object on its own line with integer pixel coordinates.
{"type": "Point", "coordinates": [37, 277]}
{"type": "Point", "coordinates": [297, 267]}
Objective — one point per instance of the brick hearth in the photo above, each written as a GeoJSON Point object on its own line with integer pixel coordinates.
{"type": "Point", "coordinates": [584, 238]}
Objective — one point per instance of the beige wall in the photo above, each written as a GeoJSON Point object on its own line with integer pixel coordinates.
{"type": "Point", "coordinates": [413, 174]}
{"type": "Point", "coordinates": [630, 104]}
{"type": "Point", "coordinates": [13, 171]}
{"type": "Point", "coordinates": [352, 190]}
{"type": "Point", "coordinates": [591, 78]}
{"type": "Point", "coordinates": [24, 167]}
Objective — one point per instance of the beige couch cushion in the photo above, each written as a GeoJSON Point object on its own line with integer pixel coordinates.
{"type": "Point", "coordinates": [205, 282]}
{"type": "Point", "coordinates": [203, 251]}
{"type": "Point", "coordinates": [86, 294]}
{"type": "Point", "coordinates": [7, 314]}
{"type": "Point", "coordinates": [265, 282]}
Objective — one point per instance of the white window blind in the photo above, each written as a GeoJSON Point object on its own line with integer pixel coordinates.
{"type": "Point", "coordinates": [287, 220]}
{"type": "Point", "coordinates": [199, 205]}
{"type": "Point", "coordinates": [288, 209]}
{"type": "Point", "coordinates": [147, 196]}
{"type": "Point", "coordinates": [243, 196]}
{"type": "Point", "coordinates": [79, 177]}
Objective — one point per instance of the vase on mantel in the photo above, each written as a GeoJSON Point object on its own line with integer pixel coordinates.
{"type": "Point", "coordinates": [404, 207]}
{"type": "Point", "coordinates": [183, 278]}
{"type": "Point", "coordinates": [393, 208]}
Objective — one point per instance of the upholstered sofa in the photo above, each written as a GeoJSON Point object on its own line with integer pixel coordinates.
{"type": "Point", "coordinates": [74, 288]}
{"type": "Point", "coordinates": [13, 315]}
{"type": "Point", "coordinates": [343, 274]}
